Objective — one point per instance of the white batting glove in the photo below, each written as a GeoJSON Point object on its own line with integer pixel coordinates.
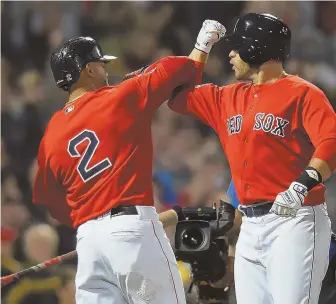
{"type": "Point", "coordinates": [211, 32]}
{"type": "Point", "coordinates": [287, 203]}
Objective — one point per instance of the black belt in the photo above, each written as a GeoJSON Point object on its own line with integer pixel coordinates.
{"type": "Point", "coordinates": [120, 210]}
{"type": "Point", "coordinates": [256, 210]}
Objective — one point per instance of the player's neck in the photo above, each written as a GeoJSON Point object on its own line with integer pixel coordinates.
{"type": "Point", "coordinates": [268, 73]}
{"type": "Point", "coordinates": [76, 93]}
{"type": "Point", "coordinates": [80, 88]}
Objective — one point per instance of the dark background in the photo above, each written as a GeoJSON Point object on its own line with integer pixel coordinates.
{"type": "Point", "coordinates": [189, 164]}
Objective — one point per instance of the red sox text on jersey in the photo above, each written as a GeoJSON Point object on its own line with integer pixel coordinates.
{"type": "Point", "coordinates": [267, 123]}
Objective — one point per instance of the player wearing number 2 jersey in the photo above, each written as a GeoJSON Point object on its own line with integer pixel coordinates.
{"type": "Point", "coordinates": [279, 134]}
{"type": "Point", "coordinates": [95, 171]}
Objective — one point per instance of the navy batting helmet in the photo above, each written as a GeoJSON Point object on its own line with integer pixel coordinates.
{"type": "Point", "coordinates": [259, 38]}
{"type": "Point", "coordinates": [72, 56]}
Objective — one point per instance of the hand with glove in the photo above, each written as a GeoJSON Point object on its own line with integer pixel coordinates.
{"type": "Point", "coordinates": [211, 32]}
{"type": "Point", "coordinates": [287, 203]}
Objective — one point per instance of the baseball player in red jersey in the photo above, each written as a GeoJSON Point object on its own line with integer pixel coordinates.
{"type": "Point", "coordinates": [95, 171]}
{"type": "Point", "coordinates": [279, 134]}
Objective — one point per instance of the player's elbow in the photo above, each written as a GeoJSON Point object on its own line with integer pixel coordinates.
{"type": "Point", "coordinates": [178, 102]}
{"type": "Point", "coordinates": [177, 107]}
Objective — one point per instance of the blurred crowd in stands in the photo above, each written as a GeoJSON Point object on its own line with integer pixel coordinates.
{"type": "Point", "coordinates": [190, 167]}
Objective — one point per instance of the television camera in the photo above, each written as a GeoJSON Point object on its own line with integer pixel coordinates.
{"type": "Point", "coordinates": [200, 241]}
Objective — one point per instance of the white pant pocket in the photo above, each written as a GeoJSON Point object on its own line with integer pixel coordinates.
{"type": "Point", "coordinates": [127, 235]}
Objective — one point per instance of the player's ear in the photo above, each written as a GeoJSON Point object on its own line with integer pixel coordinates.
{"type": "Point", "coordinates": [89, 69]}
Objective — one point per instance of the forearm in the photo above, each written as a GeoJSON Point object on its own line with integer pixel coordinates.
{"type": "Point", "coordinates": [319, 170]}
{"type": "Point", "coordinates": [322, 167]}
{"type": "Point", "coordinates": [198, 56]}
{"type": "Point", "coordinates": [168, 218]}
{"type": "Point", "coordinates": [172, 216]}
{"type": "Point", "coordinates": [232, 242]}
{"type": "Point", "coordinates": [233, 233]}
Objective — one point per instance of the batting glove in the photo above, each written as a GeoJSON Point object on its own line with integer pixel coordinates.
{"type": "Point", "coordinates": [210, 33]}
{"type": "Point", "coordinates": [287, 203]}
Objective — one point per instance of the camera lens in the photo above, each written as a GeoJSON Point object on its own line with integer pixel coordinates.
{"type": "Point", "coordinates": [192, 238]}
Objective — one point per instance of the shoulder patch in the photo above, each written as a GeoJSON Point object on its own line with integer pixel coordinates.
{"type": "Point", "coordinates": [69, 109]}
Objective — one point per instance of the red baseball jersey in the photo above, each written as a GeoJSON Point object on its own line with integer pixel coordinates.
{"type": "Point", "coordinates": [96, 153]}
{"type": "Point", "coordinates": [269, 132]}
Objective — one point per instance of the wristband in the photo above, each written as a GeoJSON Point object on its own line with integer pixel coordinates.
{"type": "Point", "coordinates": [310, 178]}
{"type": "Point", "coordinates": [204, 48]}
{"type": "Point", "coordinates": [179, 212]}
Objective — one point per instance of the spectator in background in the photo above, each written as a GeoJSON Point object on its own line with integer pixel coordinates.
{"type": "Point", "coordinates": [40, 242]}
{"type": "Point", "coordinates": [22, 130]}
{"type": "Point", "coordinates": [14, 214]}
{"type": "Point", "coordinates": [325, 17]}
{"type": "Point", "coordinates": [139, 48]}
{"type": "Point", "coordinates": [5, 168]}
{"type": "Point", "coordinates": [213, 72]}
{"type": "Point", "coordinates": [32, 91]}
{"type": "Point", "coordinates": [165, 188]}
{"type": "Point", "coordinates": [186, 164]}
{"type": "Point", "coordinates": [67, 238]}
{"type": "Point", "coordinates": [9, 264]}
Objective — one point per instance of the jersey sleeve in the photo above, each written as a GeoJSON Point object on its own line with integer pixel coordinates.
{"type": "Point", "coordinates": [48, 192]}
{"type": "Point", "coordinates": [203, 102]}
{"type": "Point", "coordinates": [157, 82]}
{"type": "Point", "coordinates": [319, 121]}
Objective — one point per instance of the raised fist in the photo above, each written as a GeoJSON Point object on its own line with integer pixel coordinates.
{"type": "Point", "coordinates": [211, 32]}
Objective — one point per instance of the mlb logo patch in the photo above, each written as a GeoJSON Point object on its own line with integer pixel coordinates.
{"type": "Point", "coordinates": [69, 109]}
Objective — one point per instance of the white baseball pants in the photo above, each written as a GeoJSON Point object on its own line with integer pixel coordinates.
{"type": "Point", "coordinates": [127, 259]}
{"type": "Point", "coordinates": [282, 260]}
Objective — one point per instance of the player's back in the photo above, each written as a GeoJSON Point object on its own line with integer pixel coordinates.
{"type": "Point", "coordinates": [99, 149]}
